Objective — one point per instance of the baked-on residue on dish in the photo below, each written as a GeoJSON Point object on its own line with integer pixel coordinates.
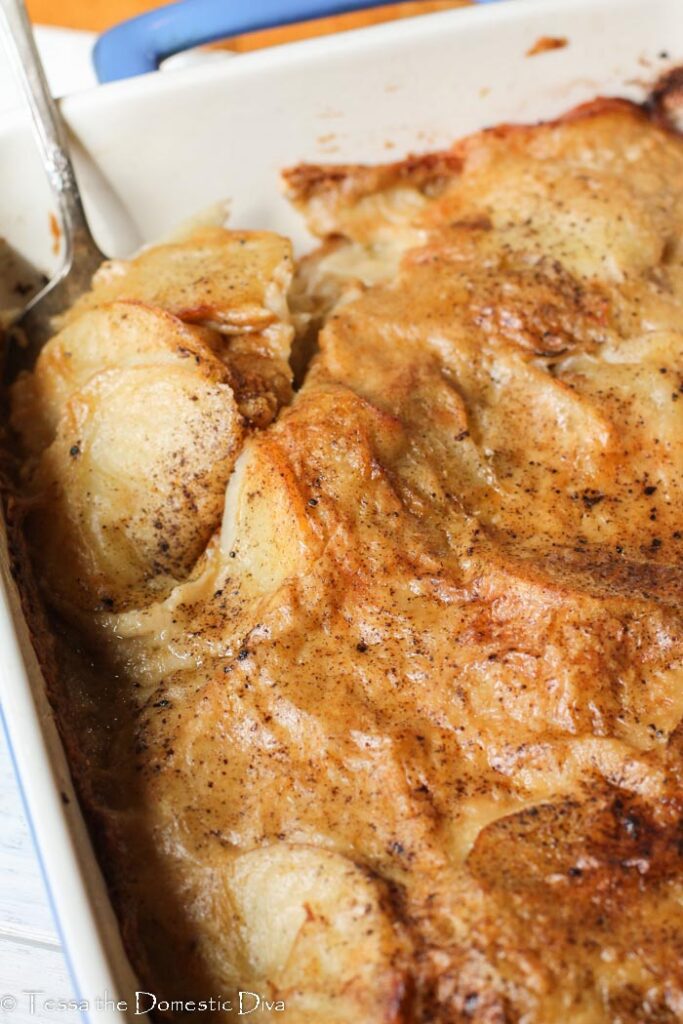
{"type": "Point", "coordinates": [390, 728]}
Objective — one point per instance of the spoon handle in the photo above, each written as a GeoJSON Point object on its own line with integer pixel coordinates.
{"type": "Point", "coordinates": [50, 132]}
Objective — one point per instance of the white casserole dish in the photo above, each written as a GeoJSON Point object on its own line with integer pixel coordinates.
{"type": "Point", "coordinates": [153, 151]}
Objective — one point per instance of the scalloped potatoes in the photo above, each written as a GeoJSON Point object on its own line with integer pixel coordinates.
{"type": "Point", "coordinates": [398, 715]}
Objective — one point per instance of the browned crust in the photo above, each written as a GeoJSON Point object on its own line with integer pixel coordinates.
{"type": "Point", "coordinates": [307, 181]}
{"type": "Point", "coordinates": [665, 101]}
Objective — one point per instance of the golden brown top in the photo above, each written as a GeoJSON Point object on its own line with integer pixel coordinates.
{"type": "Point", "coordinates": [406, 745]}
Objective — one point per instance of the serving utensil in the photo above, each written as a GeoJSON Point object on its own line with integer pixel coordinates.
{"type": "Point", "coordinates": [80, 254]}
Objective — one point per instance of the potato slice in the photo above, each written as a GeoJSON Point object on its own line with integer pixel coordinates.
{"type": "Point", "coordinates": [235, 281]}
{"type": "Point", "coordinates": [311, 928]}
{"type": "Point", "coordinates": [139, 431]}
{"type": "Point", "coordinates": [137, 409]}
{"type": "Point", "coordinates": [131, 489]}
{"type": "Point", "coordinates": [265, 528]}
{"type": "Point", "coordinates": [118, 335]}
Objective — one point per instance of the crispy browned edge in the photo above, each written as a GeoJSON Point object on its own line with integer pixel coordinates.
{"type": "Point", "coordinates": [303, 183]}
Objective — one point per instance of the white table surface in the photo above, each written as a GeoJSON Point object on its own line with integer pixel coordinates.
{"type": "Point", "coordinates": [31, 955]}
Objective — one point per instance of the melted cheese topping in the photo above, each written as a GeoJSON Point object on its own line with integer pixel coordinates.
{"type": "Point", "coordinates": [407, 743]}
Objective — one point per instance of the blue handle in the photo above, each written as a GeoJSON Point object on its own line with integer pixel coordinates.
{"type": "Point", "coordinates": [140, 44]}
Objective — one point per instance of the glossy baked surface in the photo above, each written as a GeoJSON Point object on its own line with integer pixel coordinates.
{"type": "Point", "coordinates": [404, 742]}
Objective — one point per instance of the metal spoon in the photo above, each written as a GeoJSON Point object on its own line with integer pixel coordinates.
{"type": "Point", "coordinates": [81, 256]}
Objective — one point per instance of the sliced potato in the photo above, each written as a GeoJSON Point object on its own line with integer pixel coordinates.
{"type": "Point", "coordinates": [235, 281]}
{"type": "Point", "coordinates": [131, 489]}
{"type": "Point", "coordinates": [311, 928]}
{"type": "Point", "coordinates": [265, 527]}
{"type": "Point", "coordinates": [114, 336]}
{"type": "Point", "coordinates": [137, 409]}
